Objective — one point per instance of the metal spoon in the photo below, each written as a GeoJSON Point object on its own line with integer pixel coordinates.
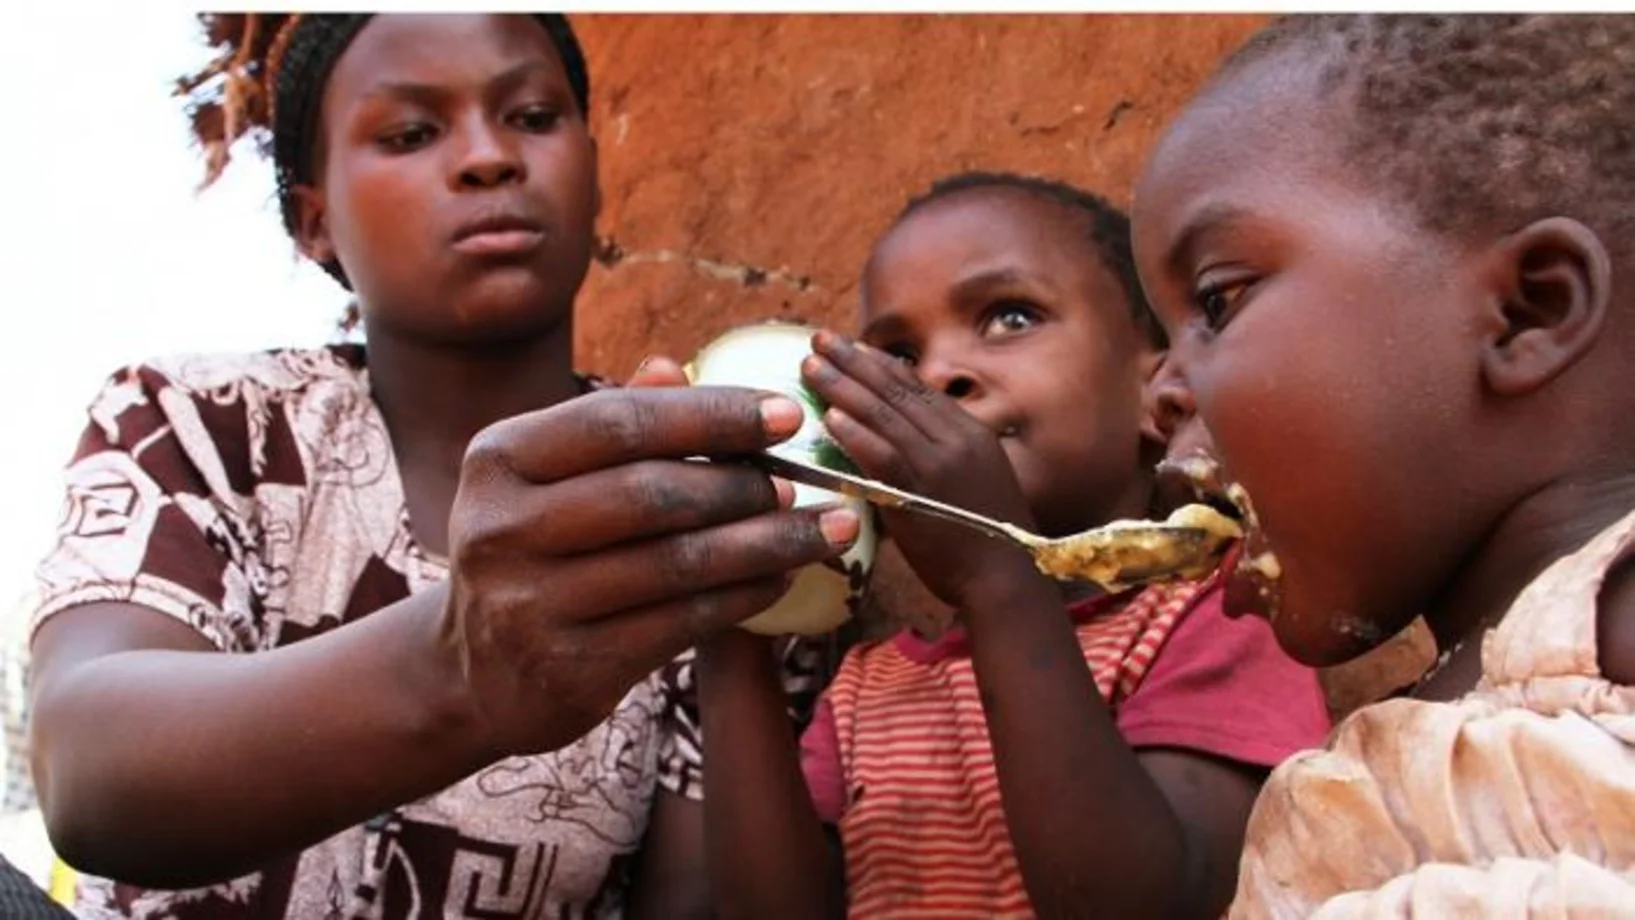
{"type": "Point", "coordinates": [1188, 544]}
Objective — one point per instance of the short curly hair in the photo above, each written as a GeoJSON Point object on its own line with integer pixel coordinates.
{"type": "Point", "coordinates": [1480, 123]}
{"type": "Point", "coordinates": [1108, 229]}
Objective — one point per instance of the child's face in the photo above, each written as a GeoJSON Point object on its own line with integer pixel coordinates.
{"type": "Point", "coordinates": [457, 177]}
{"type": "Point", "coordinates": [1317, 326]}
{"type": "Point", "coordinates": [998, 299]}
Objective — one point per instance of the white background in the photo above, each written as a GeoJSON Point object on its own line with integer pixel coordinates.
{"type": "Point", "coordinates": [107, 254]}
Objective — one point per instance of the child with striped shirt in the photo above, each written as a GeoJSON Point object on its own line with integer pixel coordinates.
{"type": "Point", "coordinates": [1059, 752]}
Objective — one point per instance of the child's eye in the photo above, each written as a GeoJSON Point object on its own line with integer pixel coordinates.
{"type": "Point", "coordinates": [898, 350]}
{"type": "Point", "coordinates": [1217, 301]}
{"type": "Point", "coordinates": [905, 355]}
{"type": "Point", "coordinates": [1010, 317]}
{"type": "Point", "coordinates": [408, 137]}
{"type": "Point", "coordinates": [536, 118]}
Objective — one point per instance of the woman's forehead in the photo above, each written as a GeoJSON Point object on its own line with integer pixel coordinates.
{"type": "Point", "coordinates": [410, 48]}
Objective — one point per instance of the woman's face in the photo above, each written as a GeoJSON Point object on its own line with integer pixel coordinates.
{"type": "Point", "coordinates": [457, 180]}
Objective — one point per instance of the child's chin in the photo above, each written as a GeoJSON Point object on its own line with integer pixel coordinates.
{"type": "Point", "coordinates": [1250, 590]}
{"type": "Point", "coordinates": [1326, 640]}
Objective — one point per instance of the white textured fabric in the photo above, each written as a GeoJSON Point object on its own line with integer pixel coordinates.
{"type": "Point", "coordinates": [1515, 801]}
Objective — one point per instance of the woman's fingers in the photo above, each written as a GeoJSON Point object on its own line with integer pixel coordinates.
{"type": "Point", "coordinates": [614, 427]}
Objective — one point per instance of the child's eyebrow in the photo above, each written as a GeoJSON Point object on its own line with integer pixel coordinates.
{"type": "Point", "coordinates": [1206, 220]}
{"type": "Point", "coordinates": [976, 286]}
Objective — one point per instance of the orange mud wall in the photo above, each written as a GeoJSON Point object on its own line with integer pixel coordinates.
{"type": "Point", "coordinates": [748, 161]}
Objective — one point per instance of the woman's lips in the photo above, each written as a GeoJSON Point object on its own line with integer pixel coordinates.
{"type": "Point", "coordinates": [500, 243]}
{"type": "Point", "coordinates": [499, 233]}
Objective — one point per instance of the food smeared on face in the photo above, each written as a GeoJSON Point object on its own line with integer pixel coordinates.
{"type": "Point", "coordinates": [1253, 569]}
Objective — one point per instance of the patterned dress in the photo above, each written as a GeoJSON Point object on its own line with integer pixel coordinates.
{"type": "Point", "coordinates": [256, 499]}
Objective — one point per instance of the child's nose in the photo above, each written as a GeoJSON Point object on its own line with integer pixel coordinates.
{"type": "Point", "coordinates": [960, 387]}
{"type": "Point", "coordinates": [1170, 401]}
{"type": "Point", "coordinates": [949, 377]}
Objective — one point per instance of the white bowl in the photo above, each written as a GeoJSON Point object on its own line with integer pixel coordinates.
{"type": "Point", "coordinates": [767, 356]}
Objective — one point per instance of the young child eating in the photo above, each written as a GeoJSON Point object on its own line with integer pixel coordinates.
{"type": "Point", "coordinates": [1393, 255]}
{"type": "Point", "coordinates": [1061, 749]}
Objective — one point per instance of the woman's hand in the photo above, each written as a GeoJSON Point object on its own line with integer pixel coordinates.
{"type": "Point", "coordinates": [586, 551]}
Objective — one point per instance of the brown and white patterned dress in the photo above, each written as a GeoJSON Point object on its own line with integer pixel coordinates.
{"type": "Point", "coordinates": [256, 499]}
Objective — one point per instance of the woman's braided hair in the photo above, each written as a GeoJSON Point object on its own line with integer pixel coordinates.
{"type": "Point", "coordinates": [267, 82]}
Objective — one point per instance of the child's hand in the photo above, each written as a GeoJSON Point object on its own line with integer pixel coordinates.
{"type": "Point", "coordinates": [904, 433]}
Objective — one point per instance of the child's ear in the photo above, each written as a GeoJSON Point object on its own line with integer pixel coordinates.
{"type": "Point", "coordinates": [1554, 284]}
{"type": "Point", "coordinates": [312, 225]}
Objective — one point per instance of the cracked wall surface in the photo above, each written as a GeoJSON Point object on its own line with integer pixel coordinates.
{"type": "Point", "coordinates": [747, 162]}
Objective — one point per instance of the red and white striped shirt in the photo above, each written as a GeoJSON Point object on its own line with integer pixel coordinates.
{"type": "Point", "coordinates": [922, 821]}
{"type": "Point", "coordinates": [899, 756]}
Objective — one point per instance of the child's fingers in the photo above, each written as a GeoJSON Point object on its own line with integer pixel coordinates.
{"type": "Point", "coordinates": [925, 409]}
{"type": "Point", "coordinates": [848, 394]}
{"type": "Point", "coordinates": [873, 454]}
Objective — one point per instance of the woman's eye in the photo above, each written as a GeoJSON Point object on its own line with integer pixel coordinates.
{"type": "Point", "coordinates": [1009, 318]}
{"type": "Point", "coordinates": [408, 137]}
{"type": "Point", "coordinates": [1217, 301]}
{"type": "Point", "coordinates": [536, 118]}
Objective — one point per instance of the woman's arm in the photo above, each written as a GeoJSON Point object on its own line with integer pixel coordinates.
{"type": "Point", "coordinates": [165, 763]}
{"type": "Point", "coordinates": [585, 553]}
